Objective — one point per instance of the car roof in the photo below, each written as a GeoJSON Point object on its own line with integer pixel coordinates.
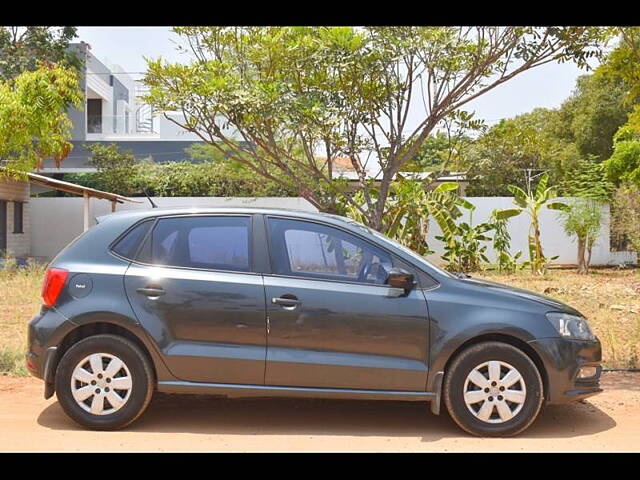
{"type": "Point", "coordinates": [135, 215]}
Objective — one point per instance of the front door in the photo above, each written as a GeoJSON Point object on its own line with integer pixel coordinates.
{"type": "Point", "coordinates": [333, 323]}
{"type": "Point", "coordinates": [193, 289]}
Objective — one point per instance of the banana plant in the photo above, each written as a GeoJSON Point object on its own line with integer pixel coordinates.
{"type": "Point", "coordinates": [531, 203]}
{"type": "Point", "coordinates": [464, 250]}
{"type": "Point", "coordinates": [410, 206]}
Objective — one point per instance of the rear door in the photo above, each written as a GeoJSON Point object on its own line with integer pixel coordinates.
{"type": "Point", "coordinates": [333, 323]}
{"type": "Point", "coordinates": [194, 289]}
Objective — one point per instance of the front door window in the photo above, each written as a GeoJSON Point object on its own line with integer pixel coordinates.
{"type": "Point", "coordinates": [318, 251]}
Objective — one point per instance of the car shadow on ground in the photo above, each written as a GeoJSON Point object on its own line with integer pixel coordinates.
{"type": "Point", "coordinates": [208, 415]}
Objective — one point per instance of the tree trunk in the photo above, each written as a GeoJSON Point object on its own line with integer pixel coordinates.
{"type": "Point", "coordinates": [582, 265]}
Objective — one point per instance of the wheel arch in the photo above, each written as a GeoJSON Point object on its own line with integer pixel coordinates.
{"type": "Point", "coordinates": [511, 340]}
{"type": "Point", "coordinates": [102, 326]}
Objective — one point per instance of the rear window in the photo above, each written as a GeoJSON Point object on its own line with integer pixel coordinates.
{"type": "Point", "coordinates": [128, 245]}
{"type": "Point", "coordinates": [206, 242]}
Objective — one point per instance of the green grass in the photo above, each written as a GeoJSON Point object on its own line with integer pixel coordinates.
{"type": "Point", "coordinates": [19, 301]}
{"type": "Point", "coordinates": [12, 362]}
{"type": "Point", "coordinates": [609, 298]}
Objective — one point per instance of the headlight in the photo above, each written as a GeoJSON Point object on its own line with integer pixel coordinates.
{"type": "Point", "coordinates": [571, 326]}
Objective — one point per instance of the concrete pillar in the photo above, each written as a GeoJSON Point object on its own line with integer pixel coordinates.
{"type": "Point", "coordinates": [87, 210]}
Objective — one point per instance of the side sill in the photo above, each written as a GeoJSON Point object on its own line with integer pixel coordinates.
{"type": "Point", "coordinates": [236, 390]}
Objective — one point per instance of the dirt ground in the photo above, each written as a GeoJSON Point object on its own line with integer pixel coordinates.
{"type": "Point", "coordinates": [607, 422]}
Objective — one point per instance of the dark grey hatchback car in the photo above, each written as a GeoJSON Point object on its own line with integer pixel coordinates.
{"type": "Point", "coordinates": [262, 302]}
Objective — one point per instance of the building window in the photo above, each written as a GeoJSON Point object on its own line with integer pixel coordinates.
{"type": "Point", "coordinates": [94, 115]}
{"type": "Point", "coordinates": [18, 217]}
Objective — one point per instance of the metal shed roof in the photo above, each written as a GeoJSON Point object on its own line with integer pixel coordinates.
{"type": "Point", "coordinates": [77, 189]}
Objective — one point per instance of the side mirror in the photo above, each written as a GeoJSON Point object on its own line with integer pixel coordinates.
{"type": "Point", "coordinates": [399, 278]}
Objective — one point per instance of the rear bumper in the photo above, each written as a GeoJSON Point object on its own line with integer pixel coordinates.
{"type": "Point", "coordinates": [45, 332]}
{"type": "Point", "coordinates": [563, 359]}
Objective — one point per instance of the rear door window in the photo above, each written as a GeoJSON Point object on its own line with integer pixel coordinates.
{"type": "Point", "coordinates": [203, 242]}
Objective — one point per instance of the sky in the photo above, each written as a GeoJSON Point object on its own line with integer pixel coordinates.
{"type": "Point", "coordinates": [546, 86]}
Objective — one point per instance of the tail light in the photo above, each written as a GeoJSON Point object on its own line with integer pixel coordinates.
{"type": "Point", "coordinates": [54, 280]}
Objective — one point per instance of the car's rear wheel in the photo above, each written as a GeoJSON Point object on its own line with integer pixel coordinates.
{"type": "Point", "coordinates": [104, 382]}
{"type": "Point", "coordinates": [493, 389]}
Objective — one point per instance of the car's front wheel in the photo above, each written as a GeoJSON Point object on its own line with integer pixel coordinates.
{"type": "Point", "coordinates": [104, 382]}
{"type": "Point", "coordinates": [493, 389]}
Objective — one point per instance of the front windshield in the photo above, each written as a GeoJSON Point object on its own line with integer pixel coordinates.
{"type": "Point", "coordinates": [395, 243]}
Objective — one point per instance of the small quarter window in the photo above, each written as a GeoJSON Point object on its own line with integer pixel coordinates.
{"type": "Point", "coordinates": [127, 246]}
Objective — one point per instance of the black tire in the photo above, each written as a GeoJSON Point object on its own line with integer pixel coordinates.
{"type": "Point", "coordinates": [465, 362]}
{"type": "Point", "coordinates": [143, 381]}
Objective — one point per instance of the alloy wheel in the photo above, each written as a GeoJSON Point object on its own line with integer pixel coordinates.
{"type": "Point", "coordinates": [494, 391]}
{"type": "Point", "coordinates": [101, 384]}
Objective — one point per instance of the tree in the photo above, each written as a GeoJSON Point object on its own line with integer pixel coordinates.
{"type": "Point", "coordinates": [116, 169]}
{"type": "Point", "coordinates": [588, 180]}
{"type": "Point", "coordinates": [625, 218]}
{"type": "Point", "coordinates": [33, 119]}
{"type": "Point", "coordinates": [582, 220]}
{"type": "Point", "coordinates": [506, 152]}
{"type": "Point", "coordinates": [446, 148]}
{"type": "Point", "coordinates": [593, 114]}
{"type": "Point", "coordinates": [24, 48]}
{"type": "Point", "coordinates": [295, 92]}
{"type": "Point", "coordinates": [624, 61]}
{"type": "Point", "coordinates": [531, 202]}
{"type": "Point", "coordinates": [624, 164]}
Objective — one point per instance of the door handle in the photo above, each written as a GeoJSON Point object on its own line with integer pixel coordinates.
{"type": "Point", "coordinates": [289, 303]}
{"type": "Point", "coordinates": [151, 291]}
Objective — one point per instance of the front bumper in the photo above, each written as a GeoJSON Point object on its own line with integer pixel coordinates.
{"type": "Point", "coordinates": [563, 360]}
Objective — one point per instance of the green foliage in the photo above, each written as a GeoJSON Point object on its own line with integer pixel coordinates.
{"type": "Point", "coordinates": [625, 215]}
{"type": "Point", "coordinates": [213, 176]}
{"type": "Point", "coordinates": [464, 247]}
{"type": "Point", "coordinates": [33, 119]}
{"type": "Point", "coordinates": [208, 179]}
{"type": "Point", "coordinates": [531, 202]}
{"type": "Point", "coordinates": [562, 141]}
{"type": "Point", "coordinates": [588, 181]}
{"type": "Point", "coordinates": [624, 164]}
{"type": "Point", "coordinates": [116, 169]}
{"type": "Point", "coordinates": [624, 61]}
{"type": "Point", "coordinates": [501, 156]}
{"type": "Point", "coordinates": [582, 220]}
{"type": "Point", "coordinates": [502, 240]}
{"type": "Point", "coordinates": [293, 91]}
{"type": "Point", "coordinates": [593, 114]}
{"type": "Point", "coordinates": [446, 149]}
{"type": "Point", "coordinates": [25, 48]}
{"type": "Point", "coordinates": [410, 206]}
